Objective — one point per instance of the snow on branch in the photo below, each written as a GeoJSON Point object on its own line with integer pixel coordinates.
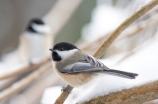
{"type": "Point", "coordinates": [135, 95]}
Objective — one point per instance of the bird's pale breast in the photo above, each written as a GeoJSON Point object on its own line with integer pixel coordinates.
{"type": "Point", "coordinates": [75, 80]}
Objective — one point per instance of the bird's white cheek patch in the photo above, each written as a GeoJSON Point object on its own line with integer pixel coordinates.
{"type": "Point", "coordinates": [64, 54]}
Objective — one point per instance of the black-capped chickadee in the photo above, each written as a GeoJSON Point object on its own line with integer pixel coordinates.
{"type": "Point", "coordinates": [35, 41]}
{"type": "Point", "coordinates": [78, 68]}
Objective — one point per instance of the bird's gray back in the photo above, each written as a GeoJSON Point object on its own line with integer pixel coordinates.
{"type": "Point", "coordinates": [70, 60]}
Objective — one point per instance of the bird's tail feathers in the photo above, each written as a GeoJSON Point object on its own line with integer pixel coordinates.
{"type": "Point", "coordinates": [123, 74]}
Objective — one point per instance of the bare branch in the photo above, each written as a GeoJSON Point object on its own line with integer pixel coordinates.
{"type": "Point", "coordinates": [95, 43]}
{"type": "Point", "coordinates": [24, 82]}
{"type": "Point", "coordinates": [132, 52]}
{"type": "Point", "coordinates": [48, 79]}
{"type": "Point", "coordinates": [123, 26]}
{"type": "Point", "coordinates": [7, 82]}
{"type": "Point", "coordinates": [63, 96]}
{"type": "Point", "coordinates": [22, 70]}
{"type": "Point", "coordinates": [139, 27]}
{"type": "Point", "coordinates": [127, 33]}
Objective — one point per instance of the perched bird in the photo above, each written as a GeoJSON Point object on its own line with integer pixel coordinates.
{"type": "Point", "coordinates": [35, 41]}
{"type": "Point", "coordinates": [78, 68]}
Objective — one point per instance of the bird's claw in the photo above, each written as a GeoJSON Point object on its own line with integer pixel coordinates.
{"type": "Point", "coordinates": [66, 89]}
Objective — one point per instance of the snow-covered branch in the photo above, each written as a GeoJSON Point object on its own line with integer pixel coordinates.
{"type": "Point", "coordinates": [136, 95]}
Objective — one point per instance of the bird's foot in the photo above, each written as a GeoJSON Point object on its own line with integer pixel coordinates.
{"type": "Point", "coordinates": [66, 89]}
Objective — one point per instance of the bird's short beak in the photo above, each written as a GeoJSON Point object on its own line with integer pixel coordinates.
{"type": "Point", "coordinates": [51, 50]}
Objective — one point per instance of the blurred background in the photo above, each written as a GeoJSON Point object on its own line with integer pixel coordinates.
{"type": "Point", "coordinates": [85, 23]}
{"type": "Point", "coordinates": [16, 14]}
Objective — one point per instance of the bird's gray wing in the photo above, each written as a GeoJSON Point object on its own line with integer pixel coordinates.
{"type": "Point", "coordinates": [93, 65]}
{"type": "Point", "coordinates": [80, 67]}
{"type": "Point", "coordinates": [90, 64]}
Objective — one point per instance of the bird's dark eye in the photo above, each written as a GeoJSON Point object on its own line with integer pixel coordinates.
{"type": "Point", "coordinates": [61, 49]}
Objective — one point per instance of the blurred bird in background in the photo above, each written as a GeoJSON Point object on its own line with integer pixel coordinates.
{"type": "Point", "coordinates": [35, 41]}
{"type": "Point", "coordinates": [33, 46]}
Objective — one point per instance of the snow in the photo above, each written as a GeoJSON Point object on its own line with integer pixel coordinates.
{"type": "Point", "coordinates": [11, 62]}
{"type": "Point", "coordinates": [50, 95]}
{"type": "Point", "coordinates": [11, 59]}
{"type": "Point", "coordinates": [152, 102]}
{"type": "Point", "coordinates": [155, 101]}
{"type": "Point", "coordinates": [103, 21]}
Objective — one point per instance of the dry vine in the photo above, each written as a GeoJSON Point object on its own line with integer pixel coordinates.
{"type": "Point", "coordinates": [22, 70]}
{"type": "Point", "coordinates": [129, 32]}
{"type": "Point", "coordinates": [25, 81]}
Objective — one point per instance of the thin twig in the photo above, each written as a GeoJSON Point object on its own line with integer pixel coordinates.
{"type": "Point", "coordinates": [85, 46]}
{"type": "Point", "coordinates": [138, 48]}
{"type": "Point", "coordinates": [123, 26]}
{"type": "Point", "coordinates": [7, 82]}
{"type": "Point", "coordinates": [48, 79]}
{"type": "Point", "coordinates": [21, 70]}
{"type": "Point", "coordinates": [112, 37]}
{"type": "Point", "coordinates": [63, 96]}
{"type": "Point", "coordinates": [25, 81]}
{"type": "Point", "coordinates": [127, 33]}
{"type": "Point", "coordinates": [139, 27]}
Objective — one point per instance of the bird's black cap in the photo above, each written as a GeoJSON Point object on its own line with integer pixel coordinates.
{"type": "Point", "coordinates": [64, 46]}
{"type": "Point", "coordinates": [37, 21]}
